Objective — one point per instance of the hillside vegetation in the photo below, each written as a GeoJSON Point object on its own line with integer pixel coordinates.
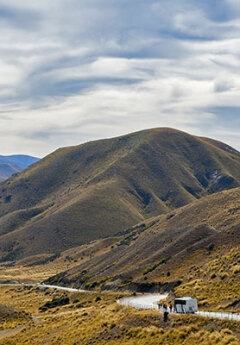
{"type": "Point", "coordinates": [79, 194]}
{"type": "Point", "coordinates": [194, 250]}
{"type": "Point", "coordinates": [91, 318]}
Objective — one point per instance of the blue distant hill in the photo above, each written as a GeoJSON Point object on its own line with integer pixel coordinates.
{"type": "Point", "coordinates": [14, 163]}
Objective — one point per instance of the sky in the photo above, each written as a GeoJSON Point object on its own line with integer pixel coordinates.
{"type": "Point", "coordinates": [78, 70]}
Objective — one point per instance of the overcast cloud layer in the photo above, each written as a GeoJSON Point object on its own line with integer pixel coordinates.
{"type": "Point", "coordinates": [77, 70]}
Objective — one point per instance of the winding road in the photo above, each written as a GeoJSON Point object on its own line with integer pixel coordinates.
{"type": "Point", "coordinates": [146, 301]}
{"type": "Point", "coordinates": [150, 302]}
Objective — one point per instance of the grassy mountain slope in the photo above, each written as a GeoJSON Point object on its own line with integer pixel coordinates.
{"type": "Point", "coordinates": [79, 194]}
{"type": "Point", "coordinates": [196, 246]}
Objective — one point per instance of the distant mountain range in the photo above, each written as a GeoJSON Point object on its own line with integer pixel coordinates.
{"type": "Point", "coordinates": [98, 189]}
{"type": "Point", "coordinates": [10, 165]}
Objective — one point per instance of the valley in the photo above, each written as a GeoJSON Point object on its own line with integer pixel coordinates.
{"type": "Point", "coordinates": [119, 172]}
{"type": "Point", "coordinates": [156, 211]}
{"type": "Point", "coordinates": [193, 250]}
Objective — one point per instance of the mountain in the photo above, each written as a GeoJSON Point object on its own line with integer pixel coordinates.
{"type": "Point", "coordinates": [10, 165]}
{"type": "Point", "coordinates": [195, 249]}
{"type": "Point", "coordinates": [7, 170]}
{"type": "Point", "coordinates": [94, 190]}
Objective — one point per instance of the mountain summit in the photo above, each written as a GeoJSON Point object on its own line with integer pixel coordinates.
{"type": "Point", "coordinates": [82, 193]}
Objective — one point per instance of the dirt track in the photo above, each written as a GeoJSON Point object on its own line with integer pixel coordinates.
{"type": "Point", "coordinates": [8, 332]}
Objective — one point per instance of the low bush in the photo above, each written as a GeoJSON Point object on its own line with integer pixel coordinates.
{"type": "Point", "coordinates": [55, 302]}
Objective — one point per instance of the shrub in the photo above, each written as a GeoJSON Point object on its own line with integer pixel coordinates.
{"type": "Point", "coordinates": [211, 247]}
{"type": "Point", "coordinates": [153, 267]}
{"type": "Point", "coordinates": [55, 302]}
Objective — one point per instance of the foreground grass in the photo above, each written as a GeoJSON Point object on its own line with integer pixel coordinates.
{"type": "Point", "coordinates": [216, 284]}
{"type": "Point", "coordinates": [91, 318]}
{"type": "Point", "coordinates": [10, 318]}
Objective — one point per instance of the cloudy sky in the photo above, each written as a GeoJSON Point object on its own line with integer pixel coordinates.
{"type": "Point", "coordinates": [77, 70]}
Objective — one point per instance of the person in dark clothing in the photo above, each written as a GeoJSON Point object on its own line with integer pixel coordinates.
{"type": "Point", "coordinates": [165, 316]}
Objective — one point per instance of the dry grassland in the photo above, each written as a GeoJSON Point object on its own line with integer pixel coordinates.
{"type": "Point", "coordinates": [88, 320]}
{"type": "Point", "coordinates": [216, 284]}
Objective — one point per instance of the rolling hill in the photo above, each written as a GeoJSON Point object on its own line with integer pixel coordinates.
{"type": "Point", "coordinates": [194, 249]}
{"type": "Point", "coordinates": [94, 190]}
{"type": "Point", "coordinates": [10, 165]}
{"type": "Point", "coordinates": [7, 170]}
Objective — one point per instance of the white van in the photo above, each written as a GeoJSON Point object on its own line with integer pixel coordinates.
{"type": "Point", "coordinates": [185, 305]}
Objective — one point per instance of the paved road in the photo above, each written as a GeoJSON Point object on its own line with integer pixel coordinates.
{"type": "Point", "coordinates": [48, 286]}
{"type": "Point", "coordinates": [61, 288]}
{"type": "Point", "coordinates": [222, 316]}
{"type": "Point", "coordinates": [150, 302]}
{"type": "Point", "coordinates": [147, 301]}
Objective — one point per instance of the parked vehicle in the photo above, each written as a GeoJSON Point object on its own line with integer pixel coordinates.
{"type": "Point", "coordinates": [185, 305]}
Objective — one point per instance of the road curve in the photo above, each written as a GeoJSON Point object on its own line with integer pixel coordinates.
{"type": "Point", "coordinates": [146, 301]}
{"type": "Point", "coordinates": [150, 302]}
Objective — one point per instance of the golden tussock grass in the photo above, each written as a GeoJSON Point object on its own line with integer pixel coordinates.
{"type": "Point", "coordinates": [216, 284]}
{"type": "Point", "coordinates": [88, 321]}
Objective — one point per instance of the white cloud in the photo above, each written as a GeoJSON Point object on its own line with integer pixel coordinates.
{"type": "Point", "coordinates": [73, 71]}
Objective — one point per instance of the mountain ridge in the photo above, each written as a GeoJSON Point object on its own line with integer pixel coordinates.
{"type": "Point", "coordinates": [12, 164]}
{"type": "Point", "coordinates": [94, 190]}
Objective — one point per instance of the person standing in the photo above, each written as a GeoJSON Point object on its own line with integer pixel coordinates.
{"type": "Point", "coordinates": [165, 316]}
{"type": "Point", "coordinates": [165, 313]}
